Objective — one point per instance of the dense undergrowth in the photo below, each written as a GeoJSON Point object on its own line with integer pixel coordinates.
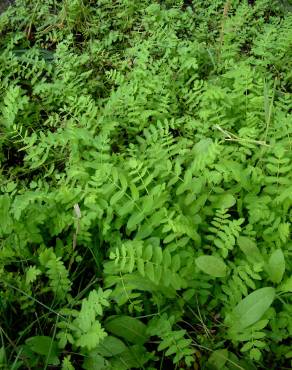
{"type": "Point", "coordinates": [146, 184]}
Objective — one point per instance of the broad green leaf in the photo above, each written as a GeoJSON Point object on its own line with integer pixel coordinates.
{"type": "Point", "coordinates": [110, 346]}
{"type": "Point", "coordinates": [276, 266]}
{"type": "Point", "coordinates": [129, 328]}
{"type": "Point", "coordinates": [260, 325]}
{"type": "Point", "coordinates": [250, 309]}
{"type": "Point", "coordinates": [45, 346]}
{"type": "Point", "coordinates": [250, 249]}
{"type": "Point", "coordinates": [218, 359]}
{"type": "Point", "coordinates": [95, 362]}
{"type": "Point", "coordinates": [134, 280]}
{"type": "Point", "coordinates": [133, 358]}
{"type": "Point", "coordinates": [224, 201]}
{"type": "Point", "coordinates": [211, 265]}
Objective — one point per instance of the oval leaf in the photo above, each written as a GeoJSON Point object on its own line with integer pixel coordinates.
{"type": "Point", "coordinates": [250, 249]}
{"type": "Point", "coordinates": [129, 328]}
{"type": "Point", "coordinates": [224, 201]}
{"type": "Point", "coordinates": [110, 346]}
{"type": "Point", "coordinates": [211, 265]}
{"type": "Point", "coordinates": [218, 359]}
{"type": "Point", "coordinates": [45, 346]}
{"type": "Point", "coordinates": [252, 307]}
{"type": "Point", "coordinates": [276, 266]}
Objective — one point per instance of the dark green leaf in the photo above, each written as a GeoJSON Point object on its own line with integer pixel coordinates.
{"type": "Point", "coordinates": [45, 346]}
{"type": "Point", "coordinates": [129, 328]}
{"type": "Point", "coordinates": [218, 359]}
{"type": "Point", "coordinates": [110, 346]}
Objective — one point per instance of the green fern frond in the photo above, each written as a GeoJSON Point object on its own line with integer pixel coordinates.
{"type": "Point", "coordinates": [57, 273]}
{"type": "Point", "coordinates": [173, 342]}
{"type": "Point", "coordinates": [224, 232]}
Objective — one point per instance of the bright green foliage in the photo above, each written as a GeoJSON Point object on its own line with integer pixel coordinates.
{"type": "Point", "coordinates": [84, 330]}
{"type": "Point", "coordinates": [173, 341]}
{"type": "Point", "coordinates": [146, 184]}
{"type": "Point", "coordinates": [56, 272]}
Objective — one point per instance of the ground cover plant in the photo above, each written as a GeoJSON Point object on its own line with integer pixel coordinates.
{"type": "Point", "coordinates": [146, 184]}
